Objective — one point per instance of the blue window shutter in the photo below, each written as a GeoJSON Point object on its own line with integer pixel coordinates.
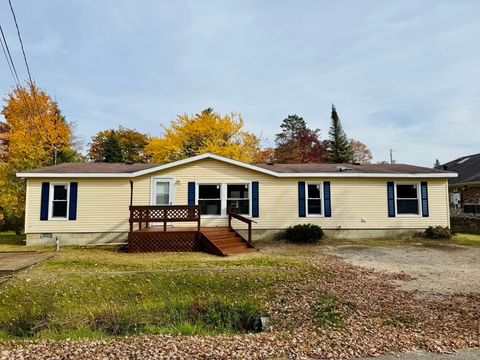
{"type": "Point", "coordinates": [391, 198]}
{"type": "Point", "coordinates": [191, 193]}
{"type": "Point", "coordinates": [327, 199]}
{"type": "Point", "coordinates": [72, 206]}
{"type": "Point", "coordinates": [44, 201]}
{"type": "Point", "coordinates": [424, 191]}
{"type": "Point", "coordinates": [301, 199]}
{"type": "Point", "coordinates": [255, 200]}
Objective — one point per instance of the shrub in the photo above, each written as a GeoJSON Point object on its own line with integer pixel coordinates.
{"type": "Point", "coordinates": [438, 232]}
{"type": "Point", "coordinates": [305, 233]}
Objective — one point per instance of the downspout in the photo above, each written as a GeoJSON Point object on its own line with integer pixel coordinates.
{"type": "Point", "coordinates": [130, 208]}
{"type": "Point", "coordinates": [131, 192]}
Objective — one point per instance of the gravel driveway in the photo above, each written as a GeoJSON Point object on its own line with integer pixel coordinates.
{"type": "Point", "coordinates": [438, 270]}
{"type": "Point", "coordinates": [473, 354]}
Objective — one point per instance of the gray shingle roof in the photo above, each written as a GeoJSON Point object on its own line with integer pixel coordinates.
{"type": "Point", "coordinates": [364, 168]}
{"type": "Point", "coordinates": [467, 167]}
{"type": "Point", "coordinates": [93, 168]}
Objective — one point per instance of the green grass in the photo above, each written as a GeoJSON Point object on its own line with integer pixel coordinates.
{"type": "Point", "coordinates": [467, 239]}
{"type": "Point", "coordinates": [97, 293]}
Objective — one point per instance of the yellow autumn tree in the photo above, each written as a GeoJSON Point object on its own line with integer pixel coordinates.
{"type": "Point", "coordinates": [34, 134]}
{"type": "Point", "coordinates": [208, 132]}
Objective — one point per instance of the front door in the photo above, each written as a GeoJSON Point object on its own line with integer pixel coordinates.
{"type": "Point", "coordinates": [163, 192]}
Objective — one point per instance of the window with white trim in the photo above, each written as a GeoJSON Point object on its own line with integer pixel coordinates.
{"type": "Point", "coordinates": [238, 197]}
{"type": "Point", "coordinates": [210, 199]}
{"type": "Point", "coordinates": [314, 199]}
{"type": "Point", "coordinates": [59, 201]}
{"type": "Point", "coordinates": [407, 199]}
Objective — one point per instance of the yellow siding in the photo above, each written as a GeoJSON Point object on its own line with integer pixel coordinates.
{"type": "Point", "coordinates": [357, 203]}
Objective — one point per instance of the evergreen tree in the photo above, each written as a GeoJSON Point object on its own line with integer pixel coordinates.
{"type": "Point", "coordinates": [297, 143]}
{"type": "Point", "coordinates": [437, 164]}
{"type": "Point", "coordinates": [113, 152]}
{"type": "Point", "coordinates": [339, 147]}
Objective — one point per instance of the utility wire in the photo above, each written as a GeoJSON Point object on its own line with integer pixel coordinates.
{"type": "Point", "coordinates": [8, 56]}
{"type": "Point", "coordinates": [21, 42]}
{"type": "Point", "coordinates": [32, 85]}
{"type": "Point", "coordinates": [16, 79]}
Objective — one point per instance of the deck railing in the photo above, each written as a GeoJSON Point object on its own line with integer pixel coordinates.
{"type": "Point", "coordinates": [233, 215]}
{"type": "Point", "coordinates": [164, 214]}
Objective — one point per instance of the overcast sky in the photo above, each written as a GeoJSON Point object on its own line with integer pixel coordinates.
{"type": "Point", "coordinates": [402, 74]}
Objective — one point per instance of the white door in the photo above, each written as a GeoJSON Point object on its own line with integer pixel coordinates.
{"type": "Point", "coordinates": [163, 193]}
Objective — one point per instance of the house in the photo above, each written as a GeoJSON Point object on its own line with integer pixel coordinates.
{"type": "Point", "coordinates": [98, 203]}
{"type": "Point", "coordinates": [465, 189]}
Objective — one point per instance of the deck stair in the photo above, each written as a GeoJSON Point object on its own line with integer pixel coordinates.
{"type": "Point", "coordinates": [226, 240]}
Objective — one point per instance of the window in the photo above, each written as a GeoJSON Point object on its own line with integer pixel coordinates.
{"type": "Point", "coordinates": [59, 203]}
{"type": "Point", "coordinates": [314, 199]}
{"type": "Point", "coordinates": [238, 197]}
{"type": "Point", "coordinates": [209, 198]}
{"type": "Point", "coordinates": [407, 199]}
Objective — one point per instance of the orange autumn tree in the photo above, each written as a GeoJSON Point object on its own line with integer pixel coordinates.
{"type": "Point", "coordinates": [206, 132]}
{"type": "Point", "coordinates": [34, 134]}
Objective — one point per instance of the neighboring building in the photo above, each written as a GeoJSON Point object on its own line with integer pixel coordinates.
{"type": "Point", "coordinates": [89, 203]}
{"type": "Point", "coordinates": [465, 189]}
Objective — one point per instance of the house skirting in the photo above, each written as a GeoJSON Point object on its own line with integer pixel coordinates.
{"type": "Point", "coordinates": [91, 239]}
{"type": "Point", "coordinates": [77, 239]}
{"type": "Point", "coordinates": [350, 234]}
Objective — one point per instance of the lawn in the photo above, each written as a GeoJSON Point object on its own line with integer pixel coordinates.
{"type": "Point", "coordinates": [100, 293]}
{"type": "Point", "coordinates": [467, 239]}
{"type": "Point", "coordinates": [316, 305]}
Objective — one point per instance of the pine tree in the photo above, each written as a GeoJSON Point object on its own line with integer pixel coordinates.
{"type": "Point", "coordinates": [113, 152]}
{"type": "Point", "coordinates": [297, 143]}
{"type": "Point", "coordinates": [339, 147]}
{"type": "Point", "coordinates": [437, 164]}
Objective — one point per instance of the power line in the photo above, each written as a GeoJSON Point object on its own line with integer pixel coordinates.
{"type": "Point", "coordinates": [21, 42]}
{"type": "Point", "coordinates": [32, 87]}
{"type": "Point", "coordinates": [8, 56]}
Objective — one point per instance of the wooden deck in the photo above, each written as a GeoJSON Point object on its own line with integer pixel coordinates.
{"type": "Point", "coordinates": [221, 241]}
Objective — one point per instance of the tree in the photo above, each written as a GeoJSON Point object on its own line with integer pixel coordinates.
{"type": "Point", "coordinates": [297, 143]}
{"type": "Point", "coordinates": [339, 147]}
{"type": "Point", "coordinates": [37, 129]}
{"type": "Point", "coordinates": [264, 156]}
{"type": "Point", "coordinates": [122, 145]}
{"type": "Point", "coordinates": [32, 136]}
{"type": "Point", "coordinates": [202, 133]}
{"type": "Point", "coordinates": [361, 153]}
{"type": "Point", "coordinates": [4, 140]}
{"type": "Point", "coordinates": [437, 164]}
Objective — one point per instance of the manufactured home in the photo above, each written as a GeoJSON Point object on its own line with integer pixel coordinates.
{"type": "Point", "coordinates": [221, 205]}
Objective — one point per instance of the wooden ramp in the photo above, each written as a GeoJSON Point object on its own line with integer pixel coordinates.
{"type": "Point", "coordinates": [226, 241]}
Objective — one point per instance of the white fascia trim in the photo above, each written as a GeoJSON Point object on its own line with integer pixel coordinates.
{"type": "Point", "coordinates": [240, 164]}
{"type": "Point", "coordinates": [366, 175]}
{"type": "Point", "coordinates": [73, 175]}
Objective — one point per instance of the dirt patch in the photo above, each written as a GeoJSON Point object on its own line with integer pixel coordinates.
{"type": "Point", "coordinates": [437, 269]}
